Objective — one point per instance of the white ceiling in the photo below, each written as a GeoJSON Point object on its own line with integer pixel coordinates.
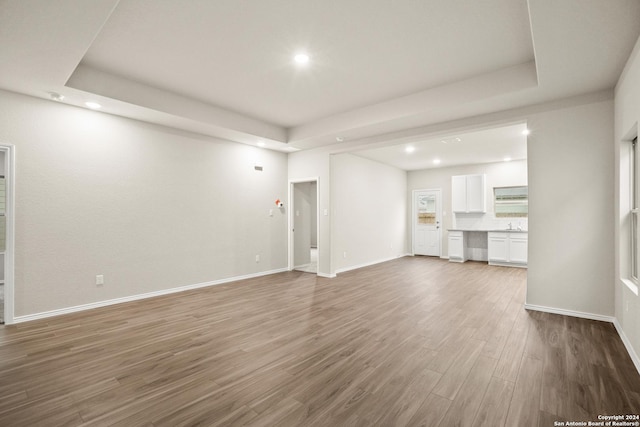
{"type": "Point", "coordinates": [483, 146]}
{"type": "Point", "coordinates": [224, 68]}
{"type": "Point", "coordinates": [238, 55]}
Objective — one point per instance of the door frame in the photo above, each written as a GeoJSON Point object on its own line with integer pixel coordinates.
{"type": "Point", "coordinates": [291, 219]}
{"type": "Point", "coordinates": [413, 217]}
{"type": "Point", "coordinates": [9, 255]}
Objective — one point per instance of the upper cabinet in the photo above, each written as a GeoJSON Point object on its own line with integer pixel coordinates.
{"type": "Point", "coordinates": [459, 193]}
{"type": "Point", "coordinates": [468, 193]}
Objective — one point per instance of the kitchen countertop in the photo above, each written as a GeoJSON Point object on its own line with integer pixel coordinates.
{"type": "Point", "coordinates": [502, 230]}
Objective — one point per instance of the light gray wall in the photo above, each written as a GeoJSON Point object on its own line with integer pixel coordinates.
{"type": "Point", "coordinates": [369, 204]}
{"type": "Point", "coordinates": [627, 116]}
{"type": "Point", "coordinates": [503, 174]}
{"type": "Point", "coordinates": [571, 241]}
{"type": "Point", "coordinates": [148, 207]}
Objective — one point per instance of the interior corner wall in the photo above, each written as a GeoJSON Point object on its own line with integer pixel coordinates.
{"type": "Point", "coordinates": [148, 207]}
{"type": "Point", "coordinates": [627, 119]}
{"type": "Point", "coordinates": [369, 204]}
{"type": "Point", "coordinates": [571, 203]}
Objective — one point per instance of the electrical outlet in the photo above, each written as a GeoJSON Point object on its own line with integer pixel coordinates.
{"type": "Point", "coordinates": [344, 254]}
{"type": "Point", "coordinates": [257, 258]}
{"type": "Point", "coordinates": [270, 212]}
{"type": "Point", "coordinates": [99, 279]}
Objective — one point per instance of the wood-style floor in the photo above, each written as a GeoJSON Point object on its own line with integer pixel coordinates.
{"type": "Point", "coordinates": [415, 341]}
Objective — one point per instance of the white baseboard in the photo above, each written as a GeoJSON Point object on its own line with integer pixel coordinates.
{"type": "Point", "coordinates": [572, 313]}
{"type": "Point", "coordinates": [83, 307]}
{"type": "Point", "coordinates": [368, 264]}
{"type": "Point", "coordinates": [295, 267]}
{"type": "Point", "coordinates": [627, 344]}
{"type": "Point", "coordinates": [328, 276]}
{"type": "Point", "coordinates": [591, 316]}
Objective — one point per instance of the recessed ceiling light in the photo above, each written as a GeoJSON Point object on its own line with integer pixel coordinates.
{"type": "Point", "coordinates": [340, 138]}
{"type": "Point", "coordinates": [507, 159]}
{"type": "Point", "coordinates": [261, 144]}
{"type": "Point", "coordinates": [56, 96]}
{"type": "Point", "coordinates": [92, 105]}
{"type": "Point", "coordinates": [301, 58]}
{"type": "Point", "coordinates": [526, 132]}
{"type": "Point", "coordinates": [436, 161]}
{"type": "Point", "coordinates": [410, 149]}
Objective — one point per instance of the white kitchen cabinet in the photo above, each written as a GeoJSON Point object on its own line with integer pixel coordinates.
{"type": "Point", "coordinates": [457, 246]}
{"type": "Point", "coordinates": [507, 248]}
{"type": "Point", "coordinates": [497, 247]}
{"type": "Point", "coordinates": [518, 243]}
{"type": "Point", "coordinates": [468, 193]}
{"type": "Point", "coordinates": [476, 193]}
{"type": "Point", "coordinates": [459, 193]}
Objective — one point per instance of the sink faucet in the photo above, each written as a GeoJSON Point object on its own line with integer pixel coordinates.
{"type": "Point", "coordinates": [510, 227]}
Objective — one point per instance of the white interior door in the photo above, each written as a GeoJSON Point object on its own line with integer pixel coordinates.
{"type": "Point", "coordinates": [427, 220]}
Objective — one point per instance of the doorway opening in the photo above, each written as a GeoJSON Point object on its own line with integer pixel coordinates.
{"type": "Point", "coordinates": [6, 233]}
{"type": "Point", "coordinates": [304, 242]}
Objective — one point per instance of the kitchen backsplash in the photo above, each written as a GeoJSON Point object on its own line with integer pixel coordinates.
{"type": "Point", "coordinates": [478, 221]}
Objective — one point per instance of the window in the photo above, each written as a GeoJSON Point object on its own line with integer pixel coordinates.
{"type": "Point", "coordinates": [511, 201]}
{"type": "Point", "coordinates": [426, 209]}
{"type": "Point", "coordinates": [634, 210]}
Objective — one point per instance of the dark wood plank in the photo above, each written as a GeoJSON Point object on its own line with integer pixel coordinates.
{"type": "Point", "coordinates": [495, 404]}
{"type": "Point", "coordinates": [524, 406]}
{"type": "Point", "coordinates": [463, 410]}
{"type": "Point", "coordinates": [416, 341]}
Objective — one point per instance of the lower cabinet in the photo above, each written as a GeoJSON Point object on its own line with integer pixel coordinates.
{"type": "Point", "coordinates": [457, 246]}
{"type": "Point", "coordinates": [507, 248]}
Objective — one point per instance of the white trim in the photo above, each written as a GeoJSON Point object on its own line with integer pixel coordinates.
{"type": "Point", "coordinates": [632, 286]}
{"type": "Point", "coordinates": [83, 307]}
{"type": "Point", "coordinates": [10, 243]}
{"type": "Point", "coordinates": [507, 264]}
{"type": "Point", "coordinates": [295, 267]}
{"type": "Point", "coordinates": [328, 276]}
{"type": "Point", "coordinates": [368, 264]}
{"type": "Point", "coordinates": [571, 313]}
{"type": "Point", "coordinates": [627, 344]}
